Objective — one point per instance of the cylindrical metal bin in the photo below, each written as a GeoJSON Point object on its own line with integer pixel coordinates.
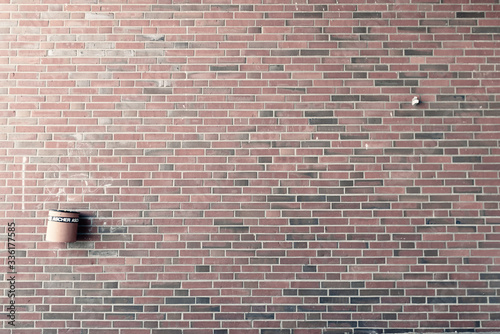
{"type": "Point", "coordinates": [62, 226]}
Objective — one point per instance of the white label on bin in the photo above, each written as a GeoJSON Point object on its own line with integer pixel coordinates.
{"type": "Point", "coordinates": [64, 219]}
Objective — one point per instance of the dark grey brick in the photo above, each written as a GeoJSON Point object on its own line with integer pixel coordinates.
{"type": "Point", "coordinates": [467, 159]}
{"type": "Point", "coordinates": [359, 30]}
{"type": "Point", "coordinates": [219, 68]}
{"type": "Point", "coordinates": [314, 52]}
{"type": "Point", "coordinates": [254, 316]}
{"type": "Point", "coordinates": [315, 121]}
{"type": "Point", "coordinates": [281, 198]}
{"type": "Point", "coordinates": [429, 135]}
{"type": "Point", "coordinates": [365, 300]}
{"type": "Point", "coordinates": [367, 15]}
{"type": "Point", "coordinates": [450, 97]}
{"type": "Point", "coordinates": [354, 136]}
{"type": "Point", "coordinates": [389, 82]}
{"type": "Point", "coordinates": [473, 300]}
{"type": "Point", "coordinates": [345, 98]}
{"type": "Point", "coordinates": [305, 15]}
{"type": "Point", "coordinates": [205, 308]}
{"type": "Point", "coordinates": [158, 90]}
{"type": "Point", "coordinates": [165, 285]}
{"type": "Point", "coordinates": [118, 300]}
{"type": "Point", "coordinates": [334, 300]}
{"type": "Point", "coordinates": [343, 324]}
{"type": "Point", "coordinates": [180, 300]}
{"type": "Point", "coordinates": [469, 15]}
{"type": "Point", "coordinates": [202, 269]}
{"type": "Point", "coordinates": [266, 113]}
{"type": "Point", "coordinates": [276, 68]}
{"type": "Point", "coordinates": [309, 269]}
{"type": "Point", "coordinates": [202, 300]}
{"type": "Point", "coordinates": [128, 308]}
{"type": "Point", "coordinates": [486, 30]}
{"type": "Point", "coordinates": [413, 52]}
{"type": "Point", "coordinates": [304, 221]}
{"type": "Point", "coordinates": [275, 331]}
{"type": "Point", "coordinates": [434, 68]}
{"type": "Point", "coordinates": [415, 30]}
{"type": "Point", "coordinates": [380, 98]}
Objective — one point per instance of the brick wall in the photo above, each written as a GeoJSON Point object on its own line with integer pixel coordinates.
{"type": "Point", "coordinates": [252, 167]}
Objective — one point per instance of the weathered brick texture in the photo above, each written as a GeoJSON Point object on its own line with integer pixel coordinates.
{"type": "Point", "coordinates": [252, 167]}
